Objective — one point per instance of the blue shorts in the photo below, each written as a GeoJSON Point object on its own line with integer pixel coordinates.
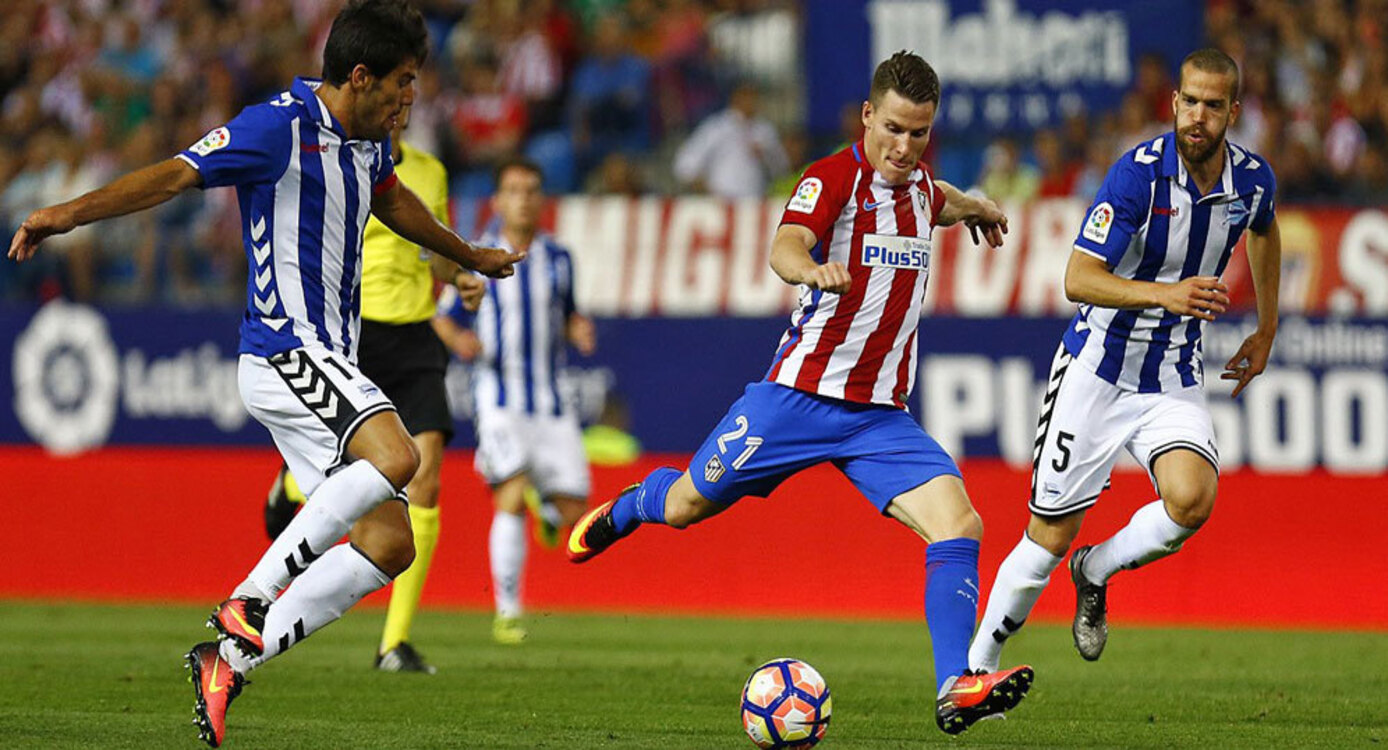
{"type": "Point", "coordinates": [774, 431]}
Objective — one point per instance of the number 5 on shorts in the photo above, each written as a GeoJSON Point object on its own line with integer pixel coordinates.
{"type": "Point", "coordinates": [1062, 463]}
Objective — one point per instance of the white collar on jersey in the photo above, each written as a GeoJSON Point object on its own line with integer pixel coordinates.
{"type": "Point", "coordinates": [1226, 179]}
{"type": "Point", "coordinates": [304, 89]}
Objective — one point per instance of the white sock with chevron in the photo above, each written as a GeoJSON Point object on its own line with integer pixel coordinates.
{"type": "Point", "coordinates": [331, 510]}
{"type": "Point", "coordinates": [1150, 535]}
{"type": "Point", "coordinates": [1021, 578]}
{"type": "Point", "coordinates": [340, 578]}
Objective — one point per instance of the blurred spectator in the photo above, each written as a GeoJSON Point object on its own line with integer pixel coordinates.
{"type": "Point", "coordinates": [1005, 177]}
{"type": "Point", "coordinates": [1057, 171]}
{"type": "Point", "coordinates": [1098, 157]}
{"type": "Point", "coordinates": [1301, 176]}
{"type": "Point", "coordinates": [608, 99]}
{"type": "Point", "coordinates": [686, 85]}
{"type": "Point", "coordinates": [126, 54]}
{"type": "Point", "coordinates": [617, 175]}
{"type": "Point", "coordinates": [488, 126]}
{"type": "Point", "coordinates": [1153, 86]}
{"type": "Point", "coordinates": [735, 153]}
{"type": "Point", "coordinates": [1370, 180]}
{"type": "Point", "coordinates": [1134, 126]}
{"type": "Point", "coordinates": [530, 68]}
{"type": "Point", "coordinates": [850, 123]}
{"type": "Point", "coordinates": [561, 31]}
{"type": "Point", "coordinates": [430, 114]}
{"type": "Point", "coordinates": [55, 171]}
{"type": "Point", "coordinates": [797, 146]}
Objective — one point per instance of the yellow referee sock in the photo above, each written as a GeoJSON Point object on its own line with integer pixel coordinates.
{"type": "Point", "coordinates": [291, 489]}
{"type": "Point", "coordinates": [409, 586]}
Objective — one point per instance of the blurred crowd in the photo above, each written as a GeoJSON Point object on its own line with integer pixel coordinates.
{"type": "Point", "coordinates": [604, 93]}
{"type": "Point", "coordinates": [1314, 104]}
{"type": "Point", "coordinates": [625, 97]}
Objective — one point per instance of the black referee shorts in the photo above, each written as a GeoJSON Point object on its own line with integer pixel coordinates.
{"type": "Point", "coordinates": [408, 362]}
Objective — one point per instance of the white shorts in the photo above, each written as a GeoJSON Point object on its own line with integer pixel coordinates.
{"type": "Point", "coordinates": [1086, 421]}
{"type": "Point", "coordinates": [547, 449]}
{"type": "Point", "coordinates": [312, 401]}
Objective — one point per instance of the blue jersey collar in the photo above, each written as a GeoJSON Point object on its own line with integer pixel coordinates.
{"type": "Point", "coordinates": [304, 89]}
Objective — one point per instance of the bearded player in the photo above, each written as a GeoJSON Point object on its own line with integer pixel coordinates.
{"type": "Point", "coordinates": [1128, 373]}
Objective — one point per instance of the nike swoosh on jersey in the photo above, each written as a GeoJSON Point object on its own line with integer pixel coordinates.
{"type": "Point", "coordinates": [875, 205]}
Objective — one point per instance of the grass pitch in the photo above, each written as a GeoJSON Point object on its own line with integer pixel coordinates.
{"type": "Point", "coordinates": [112, 677]}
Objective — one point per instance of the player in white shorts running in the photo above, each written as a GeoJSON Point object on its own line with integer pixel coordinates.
{"type": "Point", "coordinates": [528, 438]}
{"type": "Point", "coordinates": [309, 166]}
{"type": "Point", "coordinates": [1128, 375]}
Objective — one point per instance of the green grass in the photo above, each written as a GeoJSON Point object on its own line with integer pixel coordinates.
{"type": "Point", "coordinates": [111, 677]}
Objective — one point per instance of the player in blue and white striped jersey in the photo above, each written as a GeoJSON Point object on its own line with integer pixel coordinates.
{"type": "Point", "coordinates": [1128, 374]}
{"type": "Point", "coordinates": [527, 429]}
{"type": "Point", "coordinates": [308, 166]}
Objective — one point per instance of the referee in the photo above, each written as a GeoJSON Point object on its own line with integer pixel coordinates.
{"type": "Point", "coordinates": [400, 352]}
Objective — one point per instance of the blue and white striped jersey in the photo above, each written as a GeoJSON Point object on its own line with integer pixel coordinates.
{"type": "Point", "coordinates": [1150, 223]}
{"type": "Point", "coordinates": [521, 325]}
{"type": "Point", "coordinates": [305, 195]}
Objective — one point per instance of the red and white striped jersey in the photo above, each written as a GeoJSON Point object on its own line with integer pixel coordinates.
{"type": "Point", "coordinates": [860, 346]}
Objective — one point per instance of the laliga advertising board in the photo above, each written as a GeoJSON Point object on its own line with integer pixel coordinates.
{"type": "Point", "coordinates": [694, 271]}
{"type": "Point", "coordinates": [82, 378]}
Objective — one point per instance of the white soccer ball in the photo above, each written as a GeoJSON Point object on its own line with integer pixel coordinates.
{"type": "Point", "coordinates": [785, 704]}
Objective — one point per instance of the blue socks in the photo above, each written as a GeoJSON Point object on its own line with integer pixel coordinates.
{"type": "Point", "coordinates": [951, 604]}
{"type": "Point", "coordinates": [646, 503]}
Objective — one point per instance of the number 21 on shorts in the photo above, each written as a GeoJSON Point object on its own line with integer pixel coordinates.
{"type": "Point", "coordinates": [714, 469]}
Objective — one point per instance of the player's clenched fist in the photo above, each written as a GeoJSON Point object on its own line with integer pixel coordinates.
{"type": "Point", "coordinates": [830, 277]}
{"type": "Point", "coordinates": [1202, 297]}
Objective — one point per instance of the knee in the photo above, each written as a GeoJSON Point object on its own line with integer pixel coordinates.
{"type": "Point", "coordinates": [399, 463]}
{"type": "Point", "coordinates": [969, 525]}
{"type": "Point", "coordinates": [424, 490]}
{"type": "Point", "coordinates": [394, 551]}
{"type": "Point", "coordinates": [1055, 535]}
{"type": "Point", "coordinates": [965, 524]}
{"type": "Point", "coordinates": [389, 545]}
{"type": "Point", "coordinates": [1189, 505]}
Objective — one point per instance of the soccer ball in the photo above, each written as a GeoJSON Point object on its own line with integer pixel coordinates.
{"type": "Point", "coordinates": [785, 704]}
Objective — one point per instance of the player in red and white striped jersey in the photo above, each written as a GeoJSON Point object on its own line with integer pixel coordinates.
{"type": "Point", "coordinates": [856, 238]}
{"type": "Point", "coordinates": [859, 345]}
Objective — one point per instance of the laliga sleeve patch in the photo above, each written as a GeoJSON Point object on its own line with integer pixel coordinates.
{"type": "Point", "coordinates": [806, 196]}
{"type": "Point", "coordinates": [214, 140]}
{"type": "Point", "coordinates": [1099, 222]}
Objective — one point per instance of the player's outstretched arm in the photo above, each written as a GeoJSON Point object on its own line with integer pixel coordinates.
{"type": "Point", "coordinates": [790, 259]}
{"type": "Point", "coordinates": [977, 213]}
{"type": "Point", "coordinates": [141, 189]}
{"type": "Point", "coordinates": [1088, 280]}
{"type": "Point", "coordinates": [405, 214]}
{"type": "Point", "coordinates": [1265, 261]}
